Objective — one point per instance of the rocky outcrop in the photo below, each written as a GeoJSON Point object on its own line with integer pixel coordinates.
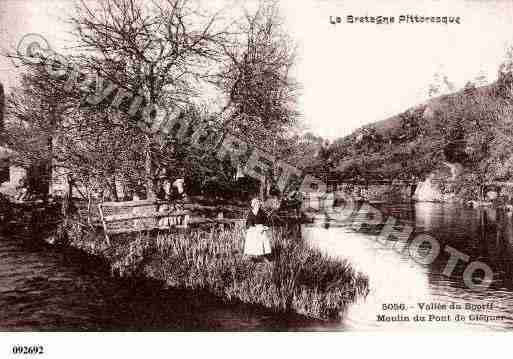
{"type": "Point", "coordinates": [439, 185]}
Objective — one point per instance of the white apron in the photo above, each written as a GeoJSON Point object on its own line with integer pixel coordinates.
{"type": "Point", "coordinates": [257, 241]}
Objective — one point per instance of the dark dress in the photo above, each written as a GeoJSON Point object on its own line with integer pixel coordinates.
{"type": "Point", "coordinates": [259, 218]}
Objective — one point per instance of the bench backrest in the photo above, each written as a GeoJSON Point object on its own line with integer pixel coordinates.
{"type": "Point", "coordinates": [133, 216]}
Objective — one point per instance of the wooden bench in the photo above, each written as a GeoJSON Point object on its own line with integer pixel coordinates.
{"type": "Point", "coordinates": [137, 216]}
{"type": "Point", "coordinates": [214, 216]}
{"type": "Point", "coordinates": [217, 222]}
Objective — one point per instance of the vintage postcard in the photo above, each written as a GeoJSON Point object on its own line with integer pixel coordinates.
{"type": "Point", "coordinates": [207, 166]}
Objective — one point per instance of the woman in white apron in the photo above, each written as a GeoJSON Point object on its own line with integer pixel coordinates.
{"type": "Point", "coordinates": [257, 243]}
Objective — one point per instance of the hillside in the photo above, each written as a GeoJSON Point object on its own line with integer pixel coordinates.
{"type": "Point", "coordinates": [472, 127]}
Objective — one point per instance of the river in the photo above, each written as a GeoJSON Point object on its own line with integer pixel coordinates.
{"type": "Point", "coordinates": [50, 288]}
{"type": "Point", "coordinates": [47, 288]}
{"type": "Point", "coordinates": [397, 279]}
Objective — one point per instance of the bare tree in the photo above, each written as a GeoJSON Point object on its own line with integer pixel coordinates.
{"type": "Point", "coordinates": [257, 79]}
{"type": "Point", "coordinates": [159, 50]}
{"type": "Point", "coordinates": [37, 109]}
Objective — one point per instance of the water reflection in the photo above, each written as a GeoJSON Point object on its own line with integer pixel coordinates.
{"type": "Point", "coordinates": [47, 288]}
{"type": "Point", "coordinates": [484, 234]}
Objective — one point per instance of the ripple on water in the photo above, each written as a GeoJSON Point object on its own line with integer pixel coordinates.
{"type": "Point", "coordinates": [396, 278]}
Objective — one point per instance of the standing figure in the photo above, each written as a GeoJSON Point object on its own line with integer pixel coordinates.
{"type": "Point", "coordinates": [165, 195]}
{"type": "Point", "coordinates": [178, 189]}
{"type": "Point", "coordinates": [173, 194]}
{"type": "Point", "coordinates": [257, 243]}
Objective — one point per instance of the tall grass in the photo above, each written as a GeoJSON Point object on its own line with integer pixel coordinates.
{"type": "Point", "coordinates": [299, 279]}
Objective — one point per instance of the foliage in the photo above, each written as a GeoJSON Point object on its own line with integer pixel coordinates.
{"type": "Point", "coordinates": [299, 279]}
{"type": "Point", "coordinates": [258, 83]}
{"type": "Point", "coordinates": [167, 52]}
{"type": "Point", "coordinates": [158, 50]}
{"type": "Point", "coordinates": [471, 127]}
{"type": "Point", "coordinates": [257, 77]}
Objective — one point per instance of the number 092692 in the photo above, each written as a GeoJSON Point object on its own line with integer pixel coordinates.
{"type": "Point", "coordinates": [32, 349]}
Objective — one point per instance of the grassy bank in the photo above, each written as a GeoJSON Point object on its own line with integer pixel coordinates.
{"type": "Point", "coordinates": [300, 279]}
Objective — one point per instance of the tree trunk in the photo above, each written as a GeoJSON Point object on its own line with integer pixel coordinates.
{"type": "Point", "coordinates": [46, 176]}
{"type": "Point", "coordinates": [70, 186]}
{"type": "Point", "coordinates": [2, 105]}
{"type": "Point", "coordinates": [67, 202]}
{"type": "Point", "coordinates": [262, 190]}
{"type": "Point", "coordinates": [113, 189]}
{"type": "Point", "coordinates": [148, 167]}
{"type": "Point", "coordinates": [89, 205]}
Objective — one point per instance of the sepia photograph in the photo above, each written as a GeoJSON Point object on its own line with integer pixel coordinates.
{"type": "Point", "coordinates": [255, 166]}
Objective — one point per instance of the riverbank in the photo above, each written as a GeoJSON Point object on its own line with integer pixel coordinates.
{"type": "Point", "coordinates": [48, 288]}
{"type": "Point", "coordinates": [299, 279]}
{"type": "Point", "coordinates": [426, 191]}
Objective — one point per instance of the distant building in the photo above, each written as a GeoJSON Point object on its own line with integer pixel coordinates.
{"type": "Point", "coordinates": [10, 176]}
